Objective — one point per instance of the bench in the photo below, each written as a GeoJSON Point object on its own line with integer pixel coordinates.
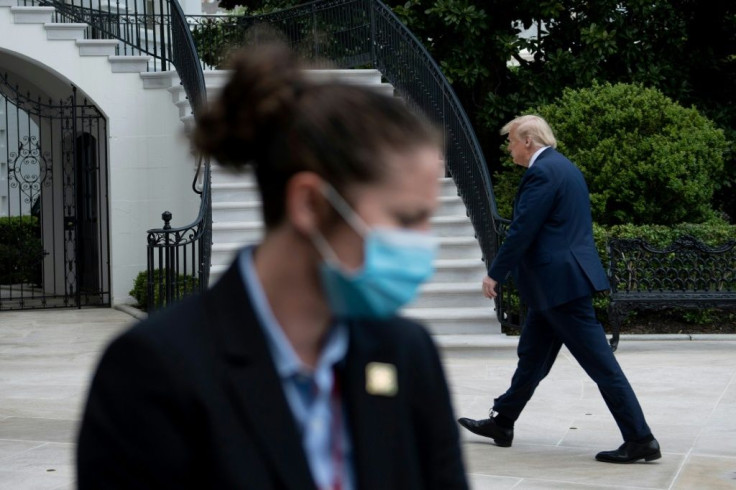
{"type": "Point", "coordinates": [686, 274]}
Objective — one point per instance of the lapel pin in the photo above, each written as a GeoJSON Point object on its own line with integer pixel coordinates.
{"type": "Point", "coordinates": [380, 379]}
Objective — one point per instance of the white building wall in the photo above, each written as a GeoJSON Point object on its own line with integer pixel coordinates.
{"type": "Point", "coordinates": [150, 169]}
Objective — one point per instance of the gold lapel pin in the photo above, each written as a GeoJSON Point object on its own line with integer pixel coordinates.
{"type": "Point", "coordinates": [380, 379]}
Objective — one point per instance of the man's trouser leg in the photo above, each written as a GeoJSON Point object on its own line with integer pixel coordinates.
{"type": "Point", "coordinates": [537, 351]}
{"type": "Point", "coordinates": [577, 327]}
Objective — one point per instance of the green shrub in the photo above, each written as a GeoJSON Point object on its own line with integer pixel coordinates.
{"type": "Point", "coordinates": [647, 160]}
{"type": "Point", "coordinates": [184, 286]}
{"type": "Point", "coordinates": [21, 250]}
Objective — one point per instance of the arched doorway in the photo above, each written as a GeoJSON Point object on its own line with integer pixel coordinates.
{"type": "Point", "coordinates": [54, 239]}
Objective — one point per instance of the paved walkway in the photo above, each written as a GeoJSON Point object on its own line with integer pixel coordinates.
{"type": "Point", "coordinates": [687, 389]}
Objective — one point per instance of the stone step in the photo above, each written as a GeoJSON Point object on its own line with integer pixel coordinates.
{"type": "Point", "coordinates": [459, 248]}
{"type": "Point", "coordinates": [160, 79]}
{"type": "Point", "coordinates": [224, 253]}
{"type": "Point", "coordinates": [478, 320]}
{"type": "Point", "coordinates": [185, 108]}
{"type": "Point", "coordinates": [452, 226]}
{"type": "Point", "coordinates": [236, 211]}
{"type": "Point", "coordinates": [65, 31]}
{"type": "Point", "coordinates": [236, 232]}
{"type": "Point", "coordinates": [248, 208]}
{"type": "Point", "coordinates": [448, 187]}
{"type": "Point", "coordinates": [451, 206]}
{"type": "Point", "coordinates": [246, 190]}
{"type": "Point", "coordinates": [454, 321]}
{"type": "Point", "coordinates": [469, 271]}
{"type": "Point", "coordinates": [188, 122]}
{"type": "Point", "coordinates": [451, 295]}
{"type": "Point", "coordinates": [216, 78]}
{"type": "Point", "coordinates": [450, 248]}
{"type": "Point", "coordinates": [32, 15]}
{"type": "Point", "coordinates": [226, 175]}
{"type": "Point", "coordinates": [129, 64]}
{"type": "Point", "coordinates": [98, 47]}
{"type": "Point", "coordinates": [178, 93]}
{"type": "Point", "coordinates": [8, 3]}
{"type": "Point", "coordinates": [358, 76]}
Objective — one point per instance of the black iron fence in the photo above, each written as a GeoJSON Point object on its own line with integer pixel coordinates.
{"type": "Point", "coordinates": [54, 214]}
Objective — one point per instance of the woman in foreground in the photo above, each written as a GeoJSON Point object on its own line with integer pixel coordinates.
{"type": "Point", "coordinates": [293, 371]}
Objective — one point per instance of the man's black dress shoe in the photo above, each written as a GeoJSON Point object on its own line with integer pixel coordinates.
{"type": "Point", "coordinates": [631, 452]}
{"type": "Point", "coordinates": [488, 428]}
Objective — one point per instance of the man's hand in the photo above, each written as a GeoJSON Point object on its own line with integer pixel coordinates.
{"type": "Point", "coordinates": [489, 287]}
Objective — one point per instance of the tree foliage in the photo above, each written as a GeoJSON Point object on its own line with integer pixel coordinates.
{"type": "Point", "coordinates": [685, 48]}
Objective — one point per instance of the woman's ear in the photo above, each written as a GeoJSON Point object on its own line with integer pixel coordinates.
{"type": "Point", "coordinates": [305, 202]}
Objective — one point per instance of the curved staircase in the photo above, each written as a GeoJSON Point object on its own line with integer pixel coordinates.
{"type": "Point", "coordinates": [451, 304]}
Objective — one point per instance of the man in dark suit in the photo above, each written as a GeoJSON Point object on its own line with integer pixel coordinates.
{"type": "Point", "coordinates": [550, 252]}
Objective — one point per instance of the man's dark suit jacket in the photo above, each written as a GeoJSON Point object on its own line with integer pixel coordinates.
{"type": "Point", "coordinates": [190, 398]}
{"type": "Point", "coordinates": [549, 248]}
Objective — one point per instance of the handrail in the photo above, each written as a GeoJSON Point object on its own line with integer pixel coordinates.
{"type": "Point", "coordinates": [177, 252]}
{"type": "Point", "coordinates": [179, 258]}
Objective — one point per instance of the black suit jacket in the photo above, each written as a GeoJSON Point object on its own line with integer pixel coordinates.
{"type": "Point", "coordinates": [549, 247]}
{"type": "Point", "coordinates": [190, 398]}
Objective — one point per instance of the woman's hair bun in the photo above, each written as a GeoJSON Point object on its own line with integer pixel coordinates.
{"type": "Point", "coordinates": [257, 102]}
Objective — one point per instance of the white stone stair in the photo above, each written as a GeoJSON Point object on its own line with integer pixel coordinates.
{"type": "Point", "coordinates": [67, 31]}
{"type": "Point", "coordinates": [109, 48]}
{"type": "Point", "coordinates": [32, 15]}
{"type": "Point", "coordinates": [450, 304]}
{"type": "Point", "coordinates": [98, 47]}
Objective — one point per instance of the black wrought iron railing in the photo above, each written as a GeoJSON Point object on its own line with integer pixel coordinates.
{"type": "Point", "coordinates": [179, 258]}
{"type": "Point", "coordinates": [143, 28]}
{"type": "Point", "coordinates": [367, 34]}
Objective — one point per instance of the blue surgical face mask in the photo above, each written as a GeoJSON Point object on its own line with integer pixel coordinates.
{"type": "Point", "coordinates": [396, 263]}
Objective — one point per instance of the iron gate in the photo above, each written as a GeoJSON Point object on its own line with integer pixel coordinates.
{"type": "Point", "coordinates": [54, 218]}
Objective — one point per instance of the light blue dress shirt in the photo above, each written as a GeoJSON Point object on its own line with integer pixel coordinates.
{"type": "Point", "coordinates": [308, 391]}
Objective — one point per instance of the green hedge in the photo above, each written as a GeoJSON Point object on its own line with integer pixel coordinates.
{"type": "Point", "coordinates": [21, 250]}
{"type": "Point", "coordinates": [647, 160]}
{"type": "Point", "coordinates": [185, 285]}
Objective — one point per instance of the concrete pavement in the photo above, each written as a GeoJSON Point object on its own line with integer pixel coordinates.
{"type": "Point", "coordinates": [687, 390]}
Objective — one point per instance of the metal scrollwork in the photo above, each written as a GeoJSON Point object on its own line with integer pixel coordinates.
{"type": "Point", "coordinates": [29, 168]}
{"type": "Point", "coordinates": [687, 273]}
